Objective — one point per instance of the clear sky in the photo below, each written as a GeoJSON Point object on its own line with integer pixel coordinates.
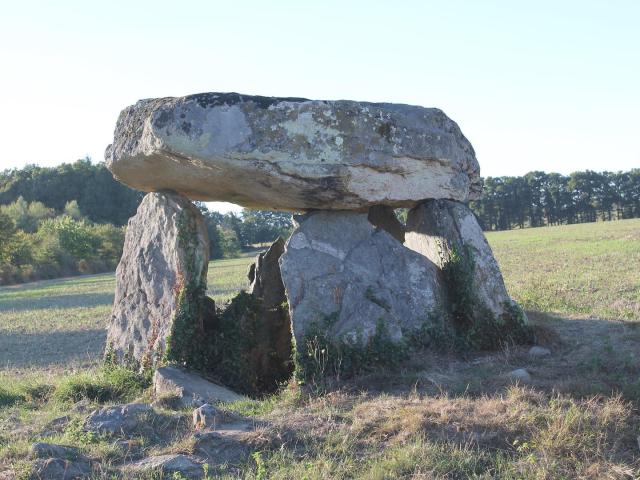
{"type": "Point", "coordinates": [543, 85]}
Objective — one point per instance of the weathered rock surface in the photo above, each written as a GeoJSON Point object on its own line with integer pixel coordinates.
{"type": "Point", "coordinates": [192, 390]}
{"type": "Point", "coordinates": [206, 416]}
{"type": "Point", "coordinates": [345, 276]}
{"type": "Point", "coordinates": [166, 250]}
{"type": "Point", "coordinates": [222, 447]}
{"type": "Point", "coordinates": [49, 450]}
{"type": "Point", "coordinates": [384, 217]}
{"type": "Point", "coordinates": [270, 356]}
{"type": "Point", "coordinates": [55, 426]}
{"type": "Point", "coordinates": [520, 375]}
{"type": "Point", "coordinates": [60, 469]}
{"type": "Point", "coordinates": [264, 277]}
{"type": "Point", "coordinates": [116, 419]}
{"type": "Point", "coordinates": [438, 228]}
{"type": "Point", "coordinates": [539, 352]}
{"type": "Point", "coordinates": [59, 462]}
{"type": "Point", "coordinates": [170, 466]}
{"type": "Point", "coordinates": [292, 153]}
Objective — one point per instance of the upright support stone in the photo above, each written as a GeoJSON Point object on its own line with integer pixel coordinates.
{"type": "Point", "coordinates": [347, 279]}
{"type": "Point", "coordinates": [271, 353]}
{"type": "Point", "coordinates": [445, 231]}
{"type": "Point", "coordinates": [162, 275]}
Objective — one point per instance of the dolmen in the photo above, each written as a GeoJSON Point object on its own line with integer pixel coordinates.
{"type": "Point", "coordinates": [351, 286]}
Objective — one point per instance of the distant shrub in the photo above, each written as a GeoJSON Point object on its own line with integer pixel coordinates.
{"type": "Point", "coordinates": [9, 398]}
{"type": "Point", "coordinates": [125, 383]}
{"type": "Point", "coordinates": [61, 246]}
{"type": "Point", "coordinates": [112, 383]}
{"type": "Point", "coordinates": [83, 386]}
{"type": "Point", "coordinates": [27, 216]}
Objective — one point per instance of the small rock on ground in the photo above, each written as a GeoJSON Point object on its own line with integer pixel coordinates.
{"type": "Point", "coordinates": [219, 448]}
{"type": "Point", "coordinates": [520, 374]}
{"type": "Point", "coordinates": [191, 389]}
{"type": "Point", "coordinates": [168, 464]}
{"type": "Point", "coordinates": [116, 419]}
{"type": "Point", "coordinates": [55, 426]}
{"type": "Point", "coordinates": [50, 450]}
{"type": "Point", "coordinates": [206, 416]}
{"type": "Point", "coordinates": [60, 469]}
{"type": "Point", "coordinates": [539, 352]}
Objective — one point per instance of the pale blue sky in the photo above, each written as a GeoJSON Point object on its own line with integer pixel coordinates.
{"type": "Point", "coordinates": [544, 85]}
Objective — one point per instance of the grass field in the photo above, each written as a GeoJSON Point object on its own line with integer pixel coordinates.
{"type": "Point", "coordinates": [60, 323]}
{"type": "Point", "coordinates": [439, 417]}
{"type": "Point", "coordinates": [590, 269]}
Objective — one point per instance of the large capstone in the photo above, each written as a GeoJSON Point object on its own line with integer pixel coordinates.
{"type": "Point", "coordinates": [292, 153]}
{"type": "Point", "coordinates": [448, 234]}
{"type": "Point", "coordinates": [349, 281]}
{"type": "Point", "coordinates": [161, 275]}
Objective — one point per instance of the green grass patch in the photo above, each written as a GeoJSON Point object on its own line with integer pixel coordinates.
{"type": "Point", "coordinates": [110, 384]}
{"type": "Point", "coordinates": [588, 269]}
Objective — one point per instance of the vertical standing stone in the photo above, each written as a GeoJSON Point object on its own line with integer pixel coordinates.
{"type": "Point", "coordinates": [272, 349]}
{"type": "Point", "coordinates": [163, 268]}
{"type": "Point", "coordinates": [444, 230]}
{"type": "Point", "coordinates": [347, 278]}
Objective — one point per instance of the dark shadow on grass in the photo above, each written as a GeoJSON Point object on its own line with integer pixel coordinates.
{"type": "Point", "coordinates": [19, 350]}
{"type": "Point", "coordinates": [589, 356]}
{"type": "Point", "coordinates": [91, 278]}
{"type": "Point", "coordinates": [57, 301]}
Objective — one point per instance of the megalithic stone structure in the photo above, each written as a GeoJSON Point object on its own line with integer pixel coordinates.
{"type": "Point", "coordinates": [350, 272]}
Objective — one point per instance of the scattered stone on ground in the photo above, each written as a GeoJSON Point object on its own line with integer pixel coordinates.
{"type": "Point", "coordinates": [116, 419]}
{"type": "Point", "coordinates": [48, 450]}
{"type": "Point", "coordinates": [384, 217]}
{"type": "Point", "coordinates": [293, 154]}
{"type": "Point", "coordinates": [81, 406]}
{"type": "Point", "coordinates": [169, 465]}
{"type": "Point", "coordinates": [220, 447]}
{"type": "Point", "coordinates": [55, 426]}
{"type": "Point", "coordinates": [191, 389]}
{"type": "Point", "coordinates": [129, 447]}
{"type": "Point", "coordinates": [520, 375]}
{"type": "Point", "coordinates": [60, 469]}
{"type": "Point", "coordinates": [539, 352]}
{"type": "Point", "coordinates": [445, 231]}
{"type": "Point", "coordinates": [206, 416]}
{"type": "Point", "coordinates": [345, 277]}
{"type": "Point", "coordinates": [166, 250]}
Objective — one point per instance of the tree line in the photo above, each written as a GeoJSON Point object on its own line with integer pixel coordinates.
{"type": "Point", "coordinates": [39, 242]}
{"type": "Point", "coordinates": [538, 198]}
{"type": "Point", "coordinates": [70, 219]}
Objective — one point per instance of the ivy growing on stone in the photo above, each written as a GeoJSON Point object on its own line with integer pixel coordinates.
{"type": "Point", "coordinates": [473, 323]}
{"type": "Point", "coordinates": [318, 355]}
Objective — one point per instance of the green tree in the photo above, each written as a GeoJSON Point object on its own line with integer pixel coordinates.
{"type": "Point", "coordinates": [72, 209]}
{"type": "Point", "coordinates": [27, 216]}
{"type": "Point", "coordinates": [7, 238]}
{"type": "Point", "coordinates": [74, 236]}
